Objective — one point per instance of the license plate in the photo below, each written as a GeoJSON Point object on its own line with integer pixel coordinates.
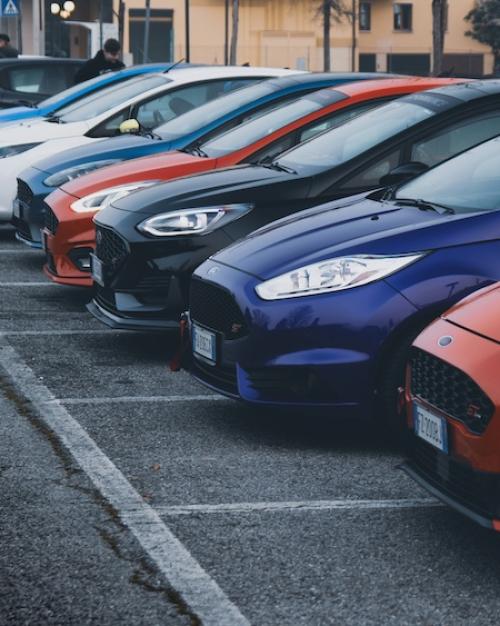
{"type": "Point", "coordinates": [204, 343]}
{"type": "Point", "coordinates": [17, 209]}
{"type": "Point", "coordinates": [97, 270]}
{"type": "Point", "coordinates": [430, 427]}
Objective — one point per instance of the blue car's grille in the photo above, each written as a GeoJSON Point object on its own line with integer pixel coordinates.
{"type": "Point", "coordinates": [24, 193]}
{"type": "Point", "coordinates": [450, 390]}
{"type": "Point", "coordinates": [215, 308]}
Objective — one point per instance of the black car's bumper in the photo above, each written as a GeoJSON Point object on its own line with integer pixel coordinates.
{"type": "Point", "coordinates": [470, 492]}
{"type": "Point", "coordinates": [122, 322]}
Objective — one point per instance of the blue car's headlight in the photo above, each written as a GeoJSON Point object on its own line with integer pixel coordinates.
{"type": "Point", "coordinates": [333, 275]}
{"type": "Point", "coordinates": [64, 176]}
{"type": "Point", "coordinates": [192, 221]}
{"type": "Point", "coordinates": [9, 151]}
{"type": "Point", "coordinates": [100, 199]}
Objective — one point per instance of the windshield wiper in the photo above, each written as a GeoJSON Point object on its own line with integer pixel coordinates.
{"type": "Point", "coordinates": [425, 205]}
{"type": "Point", "coordinates": [275, 165]}
{"type": "Point", "coordinates": [195, 150]}
{"type": "Point", "coordinates": [55, 119]}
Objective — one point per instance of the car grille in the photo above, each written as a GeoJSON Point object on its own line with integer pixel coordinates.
{"type": "Point", "coordinates": [287, 383]}
{"type": "Point", "coordinates": [22, 228]}
{"type": "Point", "coordinates": [24, 192]}
{"type": "Point", "coordinates": [222, 378]}
{"type": "Point", "coordinates": [450, 390]}
{"type": "Point", "coordinates": [110, 247]}
{"type": "Point", "coordinates": [51, 221]}
{"type": "Point", "coordinates": [215, 308]}
{"type": "Point", "coordinates": [476, 490]}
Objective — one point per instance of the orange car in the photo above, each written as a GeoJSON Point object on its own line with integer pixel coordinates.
{"type": "Point", "coordinates": [69, 235]}
{"type": "Point", "coordinates": [453, 408]}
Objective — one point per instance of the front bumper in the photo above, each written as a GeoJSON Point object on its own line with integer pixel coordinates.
{"type": "Point", "coordinates": [470, 492]}
{"type": "Point", "coordinates": [318, 351]}
{"type": "Point", "coordinates": [121, 322]}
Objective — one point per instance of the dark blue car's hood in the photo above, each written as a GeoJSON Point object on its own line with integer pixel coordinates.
{"type": "Point", "coordinates": [351, 226]}
{"type": "Point", "coordinates": [123, 147]}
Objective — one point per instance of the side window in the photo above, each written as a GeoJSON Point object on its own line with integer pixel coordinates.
{"type": "Point", "coordinates": [456, 138]}
{"type": "Point", "coordinates": [176, 102]}
{"type": "Point", "coordinates": [370, 176]}
{"type": "Point", "coordinates": [26, 79]}
{"type": "Point", "coordinates": [337, 119]}
{"type": "Point", "coordinates": [111, 126]}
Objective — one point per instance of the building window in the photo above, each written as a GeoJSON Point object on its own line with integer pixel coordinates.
{"type": "Point", "coordinates": [365, 16]}
{"type": "Point", "coordinates": [402, 16]}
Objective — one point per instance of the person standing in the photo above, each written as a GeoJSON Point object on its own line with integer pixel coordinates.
{"type": "Point", "coordinates": [6, 50]}
{"type": "Point", "coordinates": [106, 60]}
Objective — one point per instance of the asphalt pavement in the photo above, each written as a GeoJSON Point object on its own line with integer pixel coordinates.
{"type": "Point", "coordinates": [133, 495]}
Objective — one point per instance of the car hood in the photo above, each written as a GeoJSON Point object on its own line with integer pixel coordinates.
{"type": "Point", "coordinates": [348, 226]}
{"type": "Point", "coordinates": [244, 183]}
{"type": "Point", "coordinates": [125, 147]}
{"type": "Point", "coordinates": [158, 167]}
{"type": "Point", "coordinates": [479, 313]}
{"type": "Point", "coordinates": [33, 131]}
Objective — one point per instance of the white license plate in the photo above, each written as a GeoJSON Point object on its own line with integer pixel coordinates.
{"type": "Point", "coordinates": [204, 343]}
{"type": "Point", "coordinates": [17, 209]}
{"type": "Point", "coordinates": [430, 427]}
{"type": "Point", "coordinates": [97, 270]}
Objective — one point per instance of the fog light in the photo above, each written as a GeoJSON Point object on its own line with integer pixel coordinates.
{"type": "Point", "coordinates": [81, 258]}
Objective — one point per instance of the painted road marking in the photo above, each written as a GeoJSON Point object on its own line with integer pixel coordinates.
{"type": "Point", "coordinates": [184, 574]}
{"type": "Point", "coordinates": [50, 333]}
{"type": "Point", "coordinates": [21, 251]}
{"type": "Point", "coordinates": [307, 505]}
{"type": "Point", "coordinates": [195, 398]}
{"type": "Point", "coordinates": [28, 284]}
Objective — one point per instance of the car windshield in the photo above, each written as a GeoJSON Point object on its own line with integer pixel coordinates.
{"type": "Point", "coordinates": [269, 122]}
{"type": "Point", "coordinates": [89, 85]}
{"type": "Point", "coordinates": [109, 97]}
{"type": "Point", "coordinates": [202, 116]}
{"type": "Point", "coordinates": [345, 142]}
{"type": "Point", "coordinates": [467, 183]}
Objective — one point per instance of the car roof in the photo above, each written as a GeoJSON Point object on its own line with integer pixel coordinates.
{"type": "Point", "coordinates": [186, 74]}
{"type": "Point", "coordinates": [359, 88]}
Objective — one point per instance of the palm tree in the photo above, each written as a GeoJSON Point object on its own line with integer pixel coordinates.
{"type": "Point", "coordinates": [234, 34]}
{"type": "Point", "coordinates": [439, 8]}
{"type": "Point", "coordinates": [330, 9]}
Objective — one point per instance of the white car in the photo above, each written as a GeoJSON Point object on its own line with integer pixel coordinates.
{"type": "Point", "coordinates": [151, 100]}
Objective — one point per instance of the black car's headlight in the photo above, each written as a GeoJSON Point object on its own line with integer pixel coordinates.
{"type": "Point", "coordinates": [333, 275]}
{"type": "Point", "coordinates": [8, 151]}
{"type": "Point", "coordinates": [70, 173]}
{"type": "Point", "coordinates": [100, 199]}
{"type": "Point", "coordinates": [193, 221]}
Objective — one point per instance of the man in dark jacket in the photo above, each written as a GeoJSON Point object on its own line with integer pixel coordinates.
{"type": "Point", "coordinates": [106, 60]}
{"type": "Point", "coordinates": [6, 50]}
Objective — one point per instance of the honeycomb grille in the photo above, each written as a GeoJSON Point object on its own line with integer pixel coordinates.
{"type": "Point", "coordinates": [110, 247]}
{"type": "Point", "coordinates": [215, 308]}
{"type": "Point", "coordinates": [51, 221]}
{"type": "Point", "coordinates": [450, 390]}
{"type": "Point", "coordinates": [24, 192]}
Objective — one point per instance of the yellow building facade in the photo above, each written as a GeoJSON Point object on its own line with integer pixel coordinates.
{"type": "Point", "coordinates": [387, 35]}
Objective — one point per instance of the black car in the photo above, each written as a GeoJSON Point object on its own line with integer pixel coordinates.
{"type": "Point", "coordinates": [26, 81]}
{"type": "Point", "coordinates": [149, 243]}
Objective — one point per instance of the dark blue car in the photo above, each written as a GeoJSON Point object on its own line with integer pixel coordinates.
{"type": "Point", "coordinates": [319, 309]}
{"type": "Point", "coordinates": [50, 105]}
{"type": "Point", "coordinates": [219, 115]}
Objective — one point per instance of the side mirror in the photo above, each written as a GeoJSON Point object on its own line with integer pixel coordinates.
{"type": "Point", "coordinates": [130, 126]}
{"type": "Point", "coordinates": [403, 172]}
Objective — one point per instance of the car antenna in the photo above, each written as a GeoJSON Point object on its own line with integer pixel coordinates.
{"type": "Point", "coordinates": [174, 65]}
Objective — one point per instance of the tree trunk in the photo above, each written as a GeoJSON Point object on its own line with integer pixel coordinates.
{"type": "Point", "coordinates": [438, 26]}
{"type": "Point", "coordinates": [326, 9]}
{"type": "Point", "coordinates": [234, 35]}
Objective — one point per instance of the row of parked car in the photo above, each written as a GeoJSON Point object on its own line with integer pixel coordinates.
{"type": "Point", "coordinates": [302, 230]}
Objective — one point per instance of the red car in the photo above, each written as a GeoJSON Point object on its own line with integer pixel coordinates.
{"type": "Point", "coordinates": [69, 235]}
{"type": "Point", "coordinates": [453, 407]}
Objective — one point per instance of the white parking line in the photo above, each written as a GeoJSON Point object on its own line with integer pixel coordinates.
{"type": "Point", "coordinates": [20, 251]}
{"type": "Point", "coordinates": [50, 333]}
{"type": "Point", "coordinates": [307, 505]}
{"type": "Point", "coordinates": [28, 284]}
{"type": "Point", "coordinates": [203, 398]}
{"type": "Point", "coordinates": [184, 574]}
